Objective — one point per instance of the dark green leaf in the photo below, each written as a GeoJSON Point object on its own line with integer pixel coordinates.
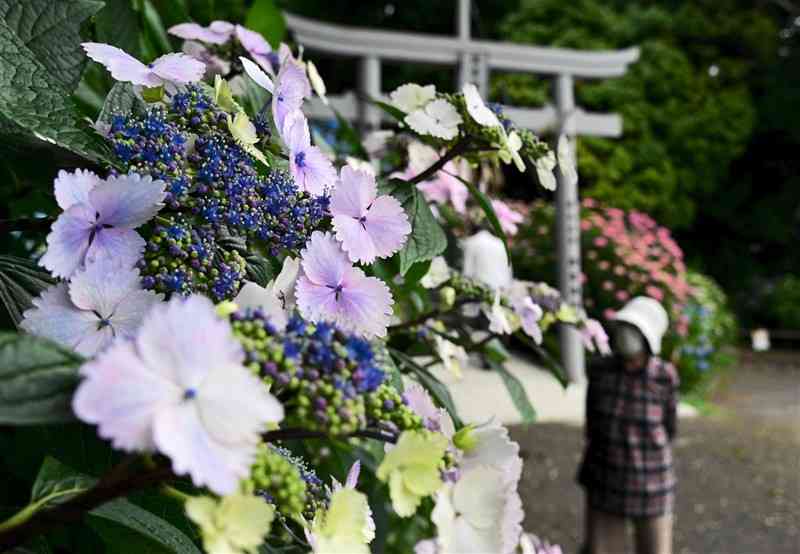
{"type": "Point", "coordinates": [118, 24]}
{"type": "Point", "coordinates": [172, 11]}
{"type": "Point", "coordinates": [37, 379]}
{"type": "Point", "coordinates": [416, 272]}
{"type": "Point", "coordinates": [488, 209]}
{"type": "Point", "coordinates": [121, 100]}
{"type": "Point", "coordinates": [154, 28]}
{"type": "Point", "coordinates": [35, 94]}
{"type": "Point", "coordinates": [347, 134]}
{"type": "Point", "coordinates": [259, 270]}
{"type": "Point", "coordinates": [266, 18]}
{"type": "Point", "coordinates": [436, 388]}
{"type": "Point", "coordinates": [36, 546]}
{"type": "Point", "coordinates": [551, 363]}
{"type": "Point", "coordinates": [50, 30]}
{"type": "Point", "coordinates": [20, 281]}
{"type": "Point", "coordinates": [56, 483]}
{"type": "Point", "coordinates": [516, 391]}
{"type": "Point", "coordinates": [427, 239]}
{"type": "Point", "coordinates": [399, 115]}
{"type": "Point", "coordinates": [127, 528]}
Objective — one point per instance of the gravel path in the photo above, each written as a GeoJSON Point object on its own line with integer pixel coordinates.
{"type": "Point", "coordinates": [738, 470]}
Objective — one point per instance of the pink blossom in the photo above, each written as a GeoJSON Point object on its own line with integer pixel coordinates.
{"type": "Point", "coordinates": [600, 241]}
{"type": "Point", "coordinates": [654, 292]}
{"type": "Point", "coordinates": [508, 217]}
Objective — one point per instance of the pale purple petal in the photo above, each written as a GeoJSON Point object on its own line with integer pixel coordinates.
{"type": "Point", "coordinates": [55, 317]}
{"type": "Point", "coordinates": [291, 89]}
{"type": "Point", "coordinates": [365, 305]}
{"type": "Point", "coordinates": [255, 405]}
{"type": "Point", "coordinates": [508, 217]}
{"type": "Point", "coordinates": [222, 27]}
{"type": "Point", "coordinates": [185, 338]}
{"type": "Point", "coordinates": [256, 74]}
{"type": "Point", "coordinates": [530, 313]}
{"type": "Point", "coordinates": [214, 64]}
{"type": "Point", "coordinates": [68, 241]}
{"type": "Point", "coordinates": [127, 200]}
{"type": "Point", "coordinates": [121, 395]}
{"type": "Point", "coordinates": [315, 302]}
{"type": "Point", "coordinates": [420, 402]}
{"type": "Point", "coordinates": [252, 41]}
{"type": "Point", "coordinates": [102, 286]}
{"type": "Point", "coordinates": [178, 68]}
{"type": "Point", "coordinates": [312, 170]}
{"type": "Point", "coordinates": [352, 475]}
{"type": "Point", "coordinates": [73, 188]}
{"type": "Point", "coordinates": [180, 434]}
{"type": "Point", "coordinates": [95, 339]}
{"type": "Point", "coordinates": [323, 261]}
{"type": "Point", "coordinates": [121, 65]}
{"type": "Point", "coordinates": [368, 227]}
{"type": "Point", "coordinates": [124, 246]}
{"type": "Point", "coordinates": [213, 34]}
{"type": "Point", "coordinates": [295, 132]}
{"type": "Point", "coordinates": [354, 192]}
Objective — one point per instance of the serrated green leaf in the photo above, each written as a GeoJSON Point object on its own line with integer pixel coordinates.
{"type": "Point", "coordinates": [127, 528]}
{"type": "Point", "coordinates": [37, 380]}
{"type": "Point", "coordinates": [259, 270]}
{"type": "Point", "coordinates": [20, 281]}
{"type": "Point", "coordinates": [516, 391]}
{"type": "Point", "coordinates": [266, 18]}
{"type": "Point", "coordinates": [121, 100]}
{"type": "Point", "coordinates": [427, 239]}
{"type": "Point", "coordinates": [32, 94]}
{"type": "Point", "coordinates": [50, 29]}
{"type": "Point", "coordinates": [56, 483]}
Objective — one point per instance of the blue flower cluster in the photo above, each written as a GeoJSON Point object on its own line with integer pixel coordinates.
{"type": "Point", "coordinates": [328, 380]}
{"type": "Point", "coordinates": [214, 189]}
{"type": "Point", "coordinates": [182, 257]}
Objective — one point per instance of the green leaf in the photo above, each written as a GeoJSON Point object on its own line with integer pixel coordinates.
{"type": "Point", "coordinates": [259, 270]}
{"type": "Point", "coordinates": [416, 272]}
{"type": "Point", "coordinates": [36, 546]}
{"type": "Point", "coordinates": [488, 209]}
{"type": "Point", "coordinates": [516, 391]}
{"type": "Point", "coordinates": [121, 100]}
{"type": "Point", "coordinates": [37, 379]}
{"type": "Point", "coordinates": [399, 115]}
{"type": "Point", "coordinates": [154, 28]}
{"type": "Point", "coordinates": [427, 239]}
{"type": "Point", "coordinates": [266, 18]}
{"type": "Point", "coordinates": [35, 90]}
{"type": "Point", "coordinates": [127, 528]}
{"type": "Point", "coordinates": [551, 363]}
{"type": "Point", "coordinates": [50, 30]}
{"type": "Point", "coordinates": [56, 483]}
{"type": "Point", "coordinates": [118, 24]}
{"type": "Point", "coordinates": [20, 281]}
{"type": "Point", "coordinates": [436, 388]}
{"type": "Point", "coordinates": [348, 134]}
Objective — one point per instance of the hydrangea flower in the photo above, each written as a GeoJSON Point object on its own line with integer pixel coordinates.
{"type": "Point", "coordinates": [330, 288]}
{"type": "Point", "coordinates": [234, 524]}
{"type": "Point", "coordinates": [544, 170]}
{"type": "Point", "coordinates": [411, 97]}
{"type": "Point", "coordinates": [433, 418]}
{"type": "Point", "coordinates": [479, 513]}
{"type": "Point", "coordinates": [244, 133]}
{"type": "Point", "coordinates": [477, 109]}
{"type": "Point", "coordinates": [531, 544]}
{"type": "Point", "coordinates": [99, 219]}
{"type": "Point", "coordinates": [498, 316]}
{"type": "Point", "coordinates": [290, 88]}
{"type": "Point", "coordinates": [276, 300]}
{"type": "Point", "coordinates": [169, 68]}
{"type": "Point", "coordinates": [256, 45]}
{"type": "Point", "coordinates": [595, 337]}
{"type": "Point", "coordinates": [438, 273]}
{"type": "Point", "coordinates": [102, 302]}
{"type": "Point", "coordinates": [368, 225]}
{"type": "Point", "coordinates": [508, 217]}
{"type": "Point", "coordinates": [453, 355]}
{"type": "Point", "coordinates": [529, 314]}
{"type": "Point", "coordinates": [489, 445]}
{"type": "Point", "coordinates": [509, 147]}
{"type": "Point", "coordinates": [180, 388]}
{"type": "Point", "coordinates": [214, 64]}
{"type": "Point", "coordinates": [412, 469]}
{"type": "Point", "coordinates": [438, 118]}
{"type": "Point", "coordinates": [218, 32]}
{"type": "Point", "coordinates": [443, 187]}
{"type": "Point", "coordinates": [312, 170]}
{"type": "Point", "coordinates": [345, 527]}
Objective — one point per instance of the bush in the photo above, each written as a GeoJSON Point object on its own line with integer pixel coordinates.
{"type": "Point", "coordinates": [627, 254]}
{"type": "Point", "coordinates": [783, 303]}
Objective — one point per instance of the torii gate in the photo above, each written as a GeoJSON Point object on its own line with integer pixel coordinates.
{"type": "Point", "coordinates": [475, 60]}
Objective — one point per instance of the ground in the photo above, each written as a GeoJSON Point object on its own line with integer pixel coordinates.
{"type": "Point", "coordinates": [738, 468]}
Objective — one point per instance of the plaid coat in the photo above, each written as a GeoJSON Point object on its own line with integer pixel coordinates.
{"type": "Point", "coordinates": [627, 467]}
